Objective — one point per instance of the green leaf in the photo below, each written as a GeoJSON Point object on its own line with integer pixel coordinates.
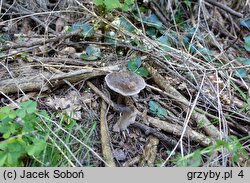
{"type": "Point", "coordinates": [93, 51]}
{"type": "Point", "coordinates": [165, 41]}
{"type": "Point", "coordinates": [241, 73]}
{"type": "Point", "coordinates": [156, 109]}
{"type": "Point", "coordinates": [88, 57]}
{"type": "Point", "coordinates": [153, 20]}
{"type": "Point", "coordinates": [195, 160]}
{"type": "Point", "coordinates": [21, 113]}
{"type": "Point", "coordinates": [247, 43]}
{"type": "Point", "coordinates": [98, 2]}
{"type": "Point", "coordinates": [112, 4]}
{"type": "Point", "coordinates": [6, 112]}
{"type": "Point", "coordinates": [151, 32]}
{"type": "Point", "coordinates": [127, 4]}
{"type": "Point", "coordinates": [188, 3]}
{"type": "Point", "coordinates": [208, 54]}
{"type": "Point", "coordinates": [29, 106]}
{"type": "Point", "coordinates": [36, 148]}
{"type": "Point", "coordinates": [111, 37]}
{"type": "Point", "coordinates": [153, 106]}
{"type": "Point", "coordinates": [13, 150]}
{"type": "Point", "coordinates": [3, 157]}
{"type": "Point", "coordinates": [245, 23]}
{"type": "Point", "coordinates": [134, 64]}
{"type": "Point", "coordinates": [123, 23]}
{"type": "Point", "coordinates": [8, 129]}
{"type": "Point", "coordinates": [244, 61]}
{"type": "Point", "coordinates": [142, 72]}
{"type": "Point", "coordinates": [87, 29]}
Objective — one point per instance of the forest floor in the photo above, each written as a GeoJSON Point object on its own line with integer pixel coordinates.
{"type": "Point", "coordinates": [56, 104]}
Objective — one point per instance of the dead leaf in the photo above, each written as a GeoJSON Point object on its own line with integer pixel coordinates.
{"type": "Point", "coordinates": [70, 104]}
{"type": "Point", "coordinates": [68, 51]}
{"type": "Point", "coordinates": [150, 151]}
{"type": "Point", "coordinates": [119, 154]}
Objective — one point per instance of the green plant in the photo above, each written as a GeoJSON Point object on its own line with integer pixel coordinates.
{"type": "Point", "coordinates": [157, 110]}
{"type": "Point", "coordinates": [21, 136]}
{"type": "Point", "coordinates": [232, 144]}
{"type": "Point", "coordinates": [87, 29]}
{"type": "Point", "coordinates": [247, 43]}
{"type": "Point", "coordinates": [134, 65]}
{"type": "Point", "coordinates": [109, 5]}
{"type": "Point", "coordinates": [92, 52]}
{"type": "Point", "coordinates": [242, 72]}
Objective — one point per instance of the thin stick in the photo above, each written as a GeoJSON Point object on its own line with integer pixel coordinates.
{"type": "Point", "coordinates": [105, 140]}
{"type": "Point", "coordinates": [226, 8]}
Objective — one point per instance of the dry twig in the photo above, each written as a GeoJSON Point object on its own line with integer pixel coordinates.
{"type": "Point", "coordinates": [106, 149]}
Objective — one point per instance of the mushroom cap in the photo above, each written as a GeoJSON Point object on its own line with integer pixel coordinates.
{"type": "Point", "coordinates": [125, 83]}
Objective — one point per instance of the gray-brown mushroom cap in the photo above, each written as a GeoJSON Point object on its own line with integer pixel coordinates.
{"type": "Point", "coordinates": [125, 83]}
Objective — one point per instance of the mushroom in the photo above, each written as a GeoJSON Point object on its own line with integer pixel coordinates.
{"type": "Point", "coordinates": [125, 83]}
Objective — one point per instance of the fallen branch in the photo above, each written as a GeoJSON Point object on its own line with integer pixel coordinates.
{"type": "Point", "coordinates": [40, 42]}
{"type": "Point", "coordinates": [199, 118]}
{"type": "Point", "coordinates": [45, 81]}
{"type": "Point", "coordinates": [106, 149]}
{"type": "Point", "coordinates": [69, 61]}
{"type": "Point", "coordinates": [168, 141]}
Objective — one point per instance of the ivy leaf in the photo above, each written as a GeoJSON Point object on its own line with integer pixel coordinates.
{"type": "Point", "coordinates": [142, 72]}
{"type": "Point", "coordinates": [245, 23]}
{"type": "Point", "coordinates": [244, 61]}
{"type": "Point", "coordinates": [111, 37]}
{"type": "Point", "coordinates": [87, 29]}
{"type": "Point", "coordinates": [164, 40]}
{"type": "Point", "coordinates": [156, 109]}
{"type": "Point", "coordinates": [134, 64]}
{"type": "Point", "coordinates": [124, 24]}
{"type": "Point", "coordinates": [247, 43]}
{"type": "Point", "coordinates": [241, 73]}
{"type": "Point", "coordinates": [92, 53]}
{"type": "Point", "coordinates": [153, 20]}
{"type": "Point", "coordinates": [151, 32]}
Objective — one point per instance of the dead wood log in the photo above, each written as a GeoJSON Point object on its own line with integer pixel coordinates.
{"type": "Point", "coordinates": [45, 81]}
